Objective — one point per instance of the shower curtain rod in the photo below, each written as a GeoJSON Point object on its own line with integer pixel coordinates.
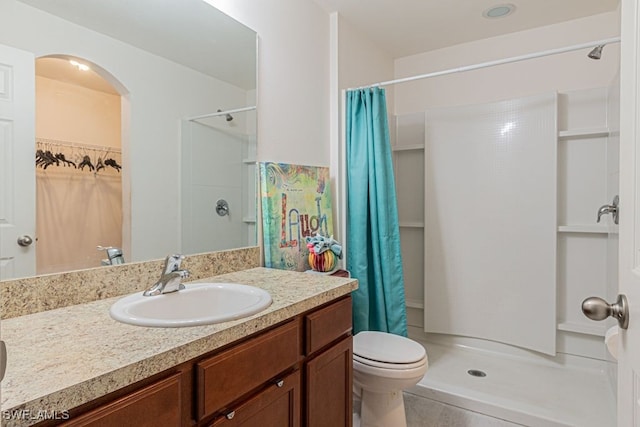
{"type": "Point", "coordinates": [220, 113]}
{"type": "Point", "coordinates": [495, 62]}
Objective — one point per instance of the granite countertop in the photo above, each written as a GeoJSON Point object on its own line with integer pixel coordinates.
{"type": "Point", "coordinates": [62, 358]}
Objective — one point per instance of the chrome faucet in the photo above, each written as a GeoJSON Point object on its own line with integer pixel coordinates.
{"type": "Point", "coordinates": [610, 209]}
{"type": "Point", "coordinates": [114, 255]}
{"type": "Point", "coordinates": [170, 278]}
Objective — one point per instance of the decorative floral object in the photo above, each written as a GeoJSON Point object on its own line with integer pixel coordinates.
{"type": "Point", "coordinates": [324, 252]}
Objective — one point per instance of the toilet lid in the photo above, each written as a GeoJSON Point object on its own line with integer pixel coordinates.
{"type": "Point", "coordinates": [387, 348]}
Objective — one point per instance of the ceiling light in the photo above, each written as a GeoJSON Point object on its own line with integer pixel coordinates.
{"type": "Point", "coordinates": [499, 11]}
{"type": "Point", "coordinates": [79, 66]}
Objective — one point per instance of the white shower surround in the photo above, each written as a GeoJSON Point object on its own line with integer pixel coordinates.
{"type": "Point", "coordinates": [524, 386]}
{"type": "Point", "coordinates": [490, 221]}
{"type": "Point", "coordinates": [569, 74]}
{"type": "Point", "coordinates": [218, 163]}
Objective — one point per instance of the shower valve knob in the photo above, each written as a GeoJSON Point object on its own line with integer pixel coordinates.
{"type": "Point", "coordinates": [222, 207]}
{"type": "Point", "coordinates": [598, 309]}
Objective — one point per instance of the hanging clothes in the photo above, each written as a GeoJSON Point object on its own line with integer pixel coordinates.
{"type": "Point", "coordinates": [373, 233]}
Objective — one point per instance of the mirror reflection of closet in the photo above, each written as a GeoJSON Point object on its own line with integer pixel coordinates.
{"type": "Point", "coordinates": [78, 198]}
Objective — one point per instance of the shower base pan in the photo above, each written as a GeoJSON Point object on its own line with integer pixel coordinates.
{"type": "Point", "coordinates": [573, 392]}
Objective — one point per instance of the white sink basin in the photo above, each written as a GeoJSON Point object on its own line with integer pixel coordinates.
{"type": "Point", "coordinates": [197, 304]}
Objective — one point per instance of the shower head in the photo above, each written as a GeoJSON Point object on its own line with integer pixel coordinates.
{"type": "Point", "coordinates": [596, 53]}
{"type": "Point", "coordinates": [228, 117]}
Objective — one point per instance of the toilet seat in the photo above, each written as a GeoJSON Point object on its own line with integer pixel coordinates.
{"type": "Point", "coordinates": [387, 365]}
{"type": "Point", "coordinates": [388, 351]}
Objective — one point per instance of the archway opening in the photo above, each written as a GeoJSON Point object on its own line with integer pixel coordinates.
{"type": "Point", "coordinates": [80, 187]}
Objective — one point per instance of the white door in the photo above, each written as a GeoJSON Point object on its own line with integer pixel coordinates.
{"type": "Point", "coordinates": [17, 163]}
{"type": "Point", "coordinates": [629, 246]}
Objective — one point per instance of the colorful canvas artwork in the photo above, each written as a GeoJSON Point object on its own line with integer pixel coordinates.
{"type": "Point", "coordinates": [296, 203]}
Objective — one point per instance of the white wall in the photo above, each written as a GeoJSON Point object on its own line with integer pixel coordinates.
{"type": "Point", "coordinates": [155, 109]}
{"type": "Point", "coordinates": [355, 61]}
{"type": "Point", "coordinates": [293, 77]}
{"type": "Point", "coordinates": [360, 61]}
{"type": "Point", "coordinates": [306, 56]}
{"type": "Point", "coordinates": [74, 113]}
{"type": "Point", "coordinates": [565, 72]}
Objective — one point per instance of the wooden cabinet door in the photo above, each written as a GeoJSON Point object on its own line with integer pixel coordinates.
{"type": "Point", "coordinates": [236, 372]}
{"type": "Point", "coordinates": [276, 406]}
{"type": "Point", "coordinates": [329, 387]}
{"type": "Point", "coordinates": [158, 404]}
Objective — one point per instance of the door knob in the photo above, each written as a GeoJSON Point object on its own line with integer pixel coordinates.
{"type": "Point", "coordinates": [598, 309]}
{"type": "Point", "coordinates": [25, 241]}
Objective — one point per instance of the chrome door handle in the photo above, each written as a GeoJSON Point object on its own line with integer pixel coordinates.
{"type": "Point", "coordinates": [598, 309]}
{"type": "Point", "coordinates": [25, 241]}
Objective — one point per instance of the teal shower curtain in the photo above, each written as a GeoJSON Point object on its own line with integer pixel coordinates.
{"type": "Point", "coordinates": [373, 235]}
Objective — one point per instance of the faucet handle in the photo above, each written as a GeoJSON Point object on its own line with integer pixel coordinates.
{"type": "Point", "coordinates": [172, 263]}
{"type": "Point", "coordinates": [612, 209]}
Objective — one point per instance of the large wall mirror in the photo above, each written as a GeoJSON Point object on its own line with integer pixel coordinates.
{"type": "Point", "coordinates": [126, 124]}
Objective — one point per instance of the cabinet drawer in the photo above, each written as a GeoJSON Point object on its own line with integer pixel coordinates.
{"type": "Point", "coordinates": [153, 405]}
{"type": "Point", "coordinates": [276, 406]}
{"type": "Point", "coordinates": [227, 376]}
{"type": "Point", "coordinates": [327, 324]}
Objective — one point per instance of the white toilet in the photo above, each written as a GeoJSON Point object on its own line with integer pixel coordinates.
{"type": "Point", "coordinates": [383, 366]}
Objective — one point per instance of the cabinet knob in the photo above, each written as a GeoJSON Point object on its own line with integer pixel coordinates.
{"type": "Point", "coordinates": [280, 383]}
{"type": "Point", "coordinates": [230, 415]}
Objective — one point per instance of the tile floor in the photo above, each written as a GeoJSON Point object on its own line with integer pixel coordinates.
{"type": "Point", "coordinates": [423, 412]}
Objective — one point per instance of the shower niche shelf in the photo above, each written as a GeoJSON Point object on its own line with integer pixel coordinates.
{"type": "Point", "coordinates": [587, 167]}
{"type": "Point", "coordinates": [583, 133]}
{"type": "Point", "coordinates": [415, 303]}
{"type": "Point", "coordinates": [410, 224]}
{"type": "Point", "coordinates": [596, 329]}
{"type": "Point", "coordinates": [588, 228]}
{"type": "Point", "coordinates": [414, 147]}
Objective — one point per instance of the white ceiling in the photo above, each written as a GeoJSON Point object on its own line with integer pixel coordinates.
{"type": "Point", "coordinates": [201, 37]}
{"type": "Point", "coordinates": [407, 27]}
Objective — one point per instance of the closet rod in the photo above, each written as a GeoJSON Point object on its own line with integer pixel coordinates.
{"type": "Point", "coordinates": [220, 113]}
{"type": "Point", "coordinates": [495, 62]}
{"type": "Point", "coordinates": [82, 145]}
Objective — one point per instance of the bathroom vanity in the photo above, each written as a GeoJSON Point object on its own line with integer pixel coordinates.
{"type": "Point", "coordinates": [289, 365]}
